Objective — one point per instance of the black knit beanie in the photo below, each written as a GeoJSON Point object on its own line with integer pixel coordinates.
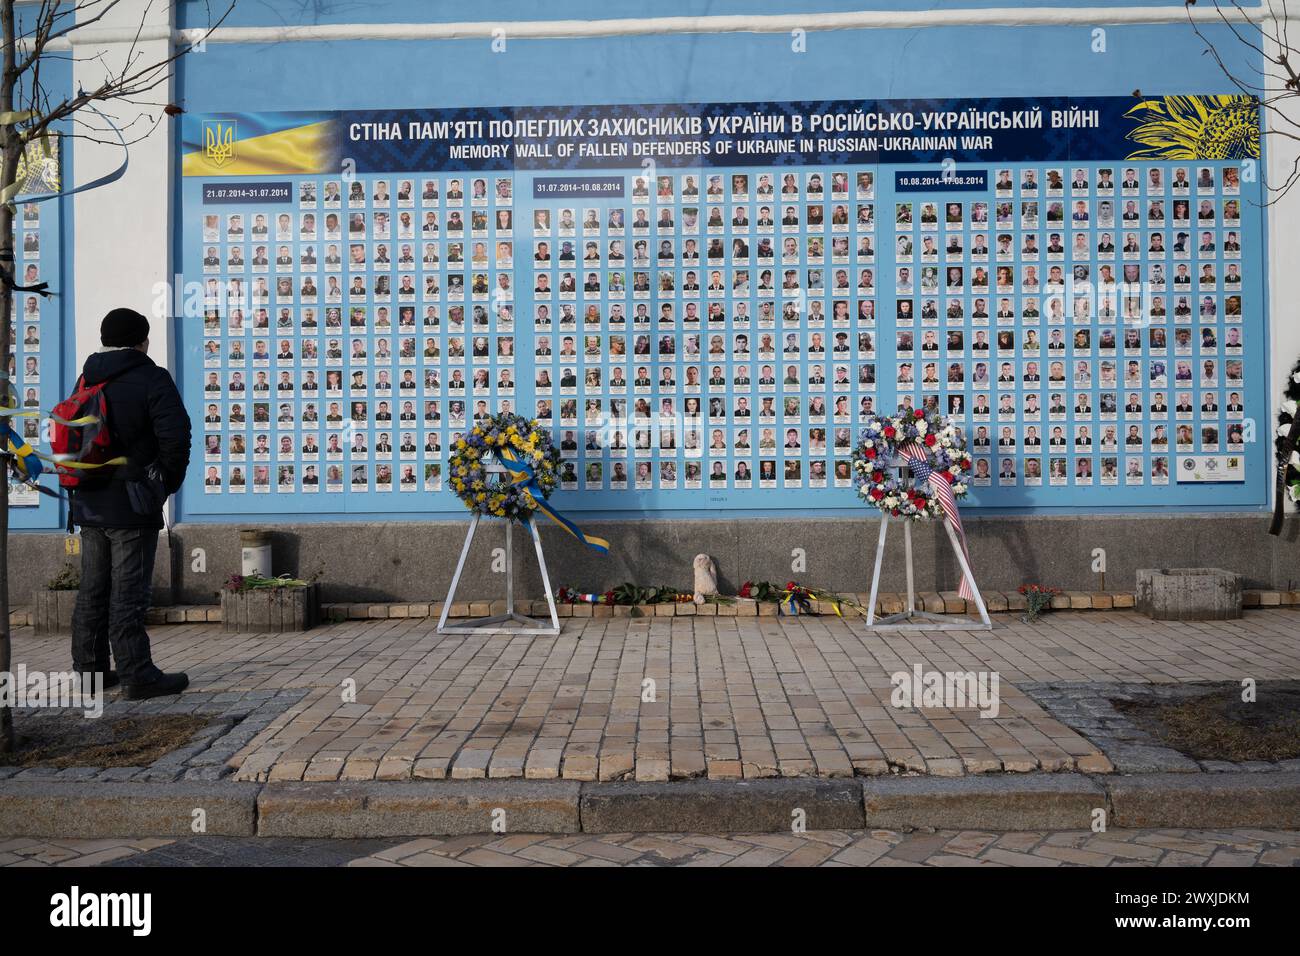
{"type": "Point", "coordinates": [123, 328]}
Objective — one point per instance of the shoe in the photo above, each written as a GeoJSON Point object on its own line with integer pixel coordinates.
{"type": "Point", "coordinates": [164, 686]}
{"type": "Point", "coordinates": [110, 678]}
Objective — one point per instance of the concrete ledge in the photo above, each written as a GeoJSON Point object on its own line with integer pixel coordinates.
{"type": "Point", "coordinates": [709, 806]}
{"type": "Point", "coordinates": [449, 808]}
{"type": "Point", "coordinates": [92, 810]}
{"type": "Point", "coordinates": [1205, 800]}
{"type": "Point", "coordinates": [40, 808]}
{"type": "Point", "coordinates": [887, 603]}
{"type": "Point", "coordinates": [1018, 802]}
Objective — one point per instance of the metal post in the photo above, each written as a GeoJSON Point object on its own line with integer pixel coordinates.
{"type": "Point", "coordinates": [510, 568]}
{"type": "Point", "coordinates": [875, 574]}
{"type": "Point", "coordinates": [966, 572]}
{"type": "Point", "coordinates": [546, 578]}
{"type": "Point", "coordinates": [460, 566]}
{"type": "Point", "coordinates": [907, 546]}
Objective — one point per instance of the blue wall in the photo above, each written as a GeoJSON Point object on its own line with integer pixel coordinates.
{"type": "Point", "coordinates": [936, 62]}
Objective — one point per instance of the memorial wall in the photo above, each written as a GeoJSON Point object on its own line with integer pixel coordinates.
{"type": "Point", "coordinates": [704, 300]}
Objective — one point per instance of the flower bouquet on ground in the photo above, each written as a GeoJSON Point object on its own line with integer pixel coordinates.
{"type": "Point", "coordinates": [627, 594]}
{"type": "Point", "coordinates": [1038, 598]}
{"type": "Point", "coordinates": [793, 598]}
{"type": "Point", "coordinates": [239, 583]}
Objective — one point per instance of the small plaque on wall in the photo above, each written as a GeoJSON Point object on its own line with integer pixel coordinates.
{"type": "Point", "coordinates": [1199, 468]}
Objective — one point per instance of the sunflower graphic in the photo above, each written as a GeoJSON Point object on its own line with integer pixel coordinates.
{"type": "Point", "coordinates": [1196, 127]}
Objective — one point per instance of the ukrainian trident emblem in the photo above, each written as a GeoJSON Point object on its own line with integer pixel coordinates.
{"type": "Point", "coordinates": [219, 142]}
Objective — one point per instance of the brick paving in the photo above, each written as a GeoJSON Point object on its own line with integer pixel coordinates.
{"type": "Point", "coordinates": [1211, 848]}
{"type": "Point", "coordinates": [732, 697]}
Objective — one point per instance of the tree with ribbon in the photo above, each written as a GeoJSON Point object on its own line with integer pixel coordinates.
{"type": "Point", "coordinates": [1262, 65]}
{"type": "Point", "coordinates": [35, 119]}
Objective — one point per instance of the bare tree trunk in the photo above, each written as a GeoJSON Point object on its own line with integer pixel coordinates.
{"type": "Point", "coordinates": [10, 150]}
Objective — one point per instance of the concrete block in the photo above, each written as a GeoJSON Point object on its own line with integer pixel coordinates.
{"type": "Point", "coordinates": [953, 603]}
{"type": "Point", "coordinates": [97, 810]}
{"type": "Point", "coordinates": [1014, 802]}
{"type": "Point", "coordinates": [53, 610]}
{"type": "Point", "coordinates": [1189, 594]}
{"type": "Point", "coordinates": [268, 610]}
{"type": "Point", "coordinates": [1205, 800]}
{"type": "Point", "coordinates": [709, 806]}
{"type": "Point", "coordinates": [419, 808]}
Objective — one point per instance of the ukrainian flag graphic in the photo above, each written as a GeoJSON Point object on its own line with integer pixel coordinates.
{"type": "Point", "coordinates": [260, 144]}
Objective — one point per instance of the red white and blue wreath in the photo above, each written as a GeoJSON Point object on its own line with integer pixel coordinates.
{"type": "Point", "coordinates": [934, 450]}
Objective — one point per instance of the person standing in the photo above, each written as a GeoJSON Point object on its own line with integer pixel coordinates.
{"type": "Point", "coordinates": [120, 509]}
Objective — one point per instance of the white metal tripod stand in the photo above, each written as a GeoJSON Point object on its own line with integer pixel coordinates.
{"type": "Point", "coordinates": [495, 623]}
{"type": "Point", "coordinates": [912, 616]}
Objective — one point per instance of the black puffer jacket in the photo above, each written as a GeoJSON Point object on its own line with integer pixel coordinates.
{"type": "Point", "coordinates": [149, 425]}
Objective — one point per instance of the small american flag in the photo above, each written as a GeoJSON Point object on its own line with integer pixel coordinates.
{"type": "Point", "coordinates": [941, 483]}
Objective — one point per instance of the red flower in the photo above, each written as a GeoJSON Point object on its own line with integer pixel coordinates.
{"type": "Point", "coordinates": [877, 476]}
{"type": "Point", "coordinates": [920, 413]}
{"type": "Point", "coordinates": [889, 431]}
{"type": "Point", "coordinates": [929, 440]}
{"type": "Point", "coordinates": [871, 453]}
{"type": "Point", "coordinates": [877, 493]}
{"type": "Point", "coordinates": [746, 588]}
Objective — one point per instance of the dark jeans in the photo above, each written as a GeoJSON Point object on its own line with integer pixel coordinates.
{"type": "Point", "coordinates": [116, 586]}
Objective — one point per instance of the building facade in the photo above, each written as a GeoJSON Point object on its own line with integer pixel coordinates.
{"type": "Point", "coordinates": [701, 247]}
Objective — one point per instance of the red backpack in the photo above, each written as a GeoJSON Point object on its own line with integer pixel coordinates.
{"type": "Point", "coordinates": [81, 432]}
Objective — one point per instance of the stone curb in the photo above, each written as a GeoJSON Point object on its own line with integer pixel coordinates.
{"type": "Point", "coordinates": [374, 809]}
{"type": "Point", "coordinates": [1048, 801]}
{"type": "Point", "coordinates": [717, 806]}
{"type": "Point", "coordinates": [97, 810]}
{"type": "Point", "coordinates": [948, 602]}
{"type": "Point", "coordinates": [445, 808]}
{"type": "Point", "coordinates": [1206, 801]}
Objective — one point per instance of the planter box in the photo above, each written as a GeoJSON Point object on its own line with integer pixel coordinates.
{"type": "Point", "coordinates": [54, 611]}
{"type": "Point", "coordinates": [1189, 594]}
{"type": "Point", "coordinates": [271, 610]}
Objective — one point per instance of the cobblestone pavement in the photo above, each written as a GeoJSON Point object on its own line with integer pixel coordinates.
{"type": "Point", "coordinates": [1130, 747]}
{"type": "Point", "coordinates": [814, 848]}
{"type": "Point", "coordinates": [731, 697]}
{"type": "Point", "coordinates": [236, 718]}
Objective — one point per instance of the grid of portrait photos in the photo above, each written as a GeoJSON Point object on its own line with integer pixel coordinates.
{"type": "Point", "coordinates": [25, 365]}
{"type": "Point", "coordinates": [711, 321]}
{"type": "Point", "coordinates": [350, 335]}
{"type": "Point", "coordinates": [725, 329]}
{"type": "Point", "coordinates": [1086, 324]}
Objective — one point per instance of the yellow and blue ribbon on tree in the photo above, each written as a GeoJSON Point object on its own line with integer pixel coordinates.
{"type": "Point", "coordinates": [522, 476]}
{"type": "Point", "coordinates": [28, 461]}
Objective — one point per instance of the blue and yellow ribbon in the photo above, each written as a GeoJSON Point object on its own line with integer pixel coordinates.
{"type": "Point", "coordinates": [522, 476]}
{"type": "Point", "coordinates": [28, 461]}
